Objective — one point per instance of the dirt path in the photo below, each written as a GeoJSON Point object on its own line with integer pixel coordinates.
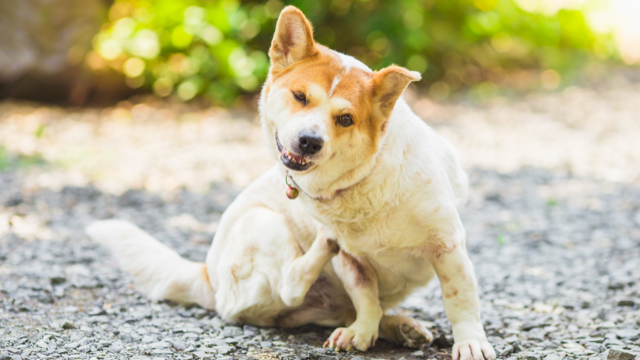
{"type": "Point", "coordinates": [553, 222]}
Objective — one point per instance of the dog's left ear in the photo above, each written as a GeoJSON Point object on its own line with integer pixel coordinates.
{"type": "Point", "coordinates": [388, 84]}
{"type": "Point", "coordinates": [293, 39]}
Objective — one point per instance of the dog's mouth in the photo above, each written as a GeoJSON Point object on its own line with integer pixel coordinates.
{"type": "Point", "coordinates": [291, 160]}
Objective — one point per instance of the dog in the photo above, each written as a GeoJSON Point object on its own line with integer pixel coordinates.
{"type": "Point", "coordinates": [376, 216]}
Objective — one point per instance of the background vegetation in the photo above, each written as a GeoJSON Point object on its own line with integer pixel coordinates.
{"type": "Point", "coordinates": [219, 48]}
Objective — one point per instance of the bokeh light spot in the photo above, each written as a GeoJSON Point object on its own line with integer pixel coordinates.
{"type": "Point", "coordinates": [250, 28]}
{"type": "Point", "coordinates": [145, 44]}
{"type": "Point", "coordinates": [187, 90]}
{"type": "Point", "coordinates": [502, 42]}
{"type": "Point", "coordinates": [439, 91]}
{"type": "Point", "coordinates": [110, 49]}
{"type": "Point", "coordinates": [180, 38]}
{"type": "Point", "coordinates": [550, 79]}
{"type": "Point", "coordinates": [211, 35]}
{"type": "Point", "coordinates": [417, 63]}
{"type": "Point", "coordinates": [163, 86]}
{"type": "Point", "coordinates": [133, 67]}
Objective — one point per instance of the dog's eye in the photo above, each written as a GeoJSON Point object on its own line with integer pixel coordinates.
{"type": "Point", "coordinates": [345, 120]}
{"type": "Point", "coordinates": [300, 97]}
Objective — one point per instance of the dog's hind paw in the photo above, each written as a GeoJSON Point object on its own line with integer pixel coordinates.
{"type": "Point", "coordinates": [412, 334]}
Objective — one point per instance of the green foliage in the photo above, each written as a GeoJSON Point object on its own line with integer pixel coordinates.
{"type": "Point", "coordinates": [218, 47]}
{"type": "Point", "coordinates": [10, 161]}
{"type": "Point", "coordinates": [4, 158]}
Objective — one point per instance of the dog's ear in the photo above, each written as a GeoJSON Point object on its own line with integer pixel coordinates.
{"type": "Point", "coordinates": [293, 39]}
{"type": "Point", "coordinates": [388, 84]}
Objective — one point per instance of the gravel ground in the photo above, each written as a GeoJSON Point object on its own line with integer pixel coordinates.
{"type": "Point", "coordinates": [554, 236]}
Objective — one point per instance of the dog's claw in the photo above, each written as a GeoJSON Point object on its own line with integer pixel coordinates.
{"type": "Point", "coordinates": [325, 344]}
{"type": "Point", "coordinates": [350, 347]}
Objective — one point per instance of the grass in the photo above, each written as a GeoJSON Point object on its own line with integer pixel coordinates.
{"type": "Point", "coordinates": [501, 239]}
{"type": "Point", "coordinates": [5, 162]}
{"type": "Point", "coordinates": [9, 161]}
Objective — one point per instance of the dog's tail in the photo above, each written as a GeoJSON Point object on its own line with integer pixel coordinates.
{"type": "Point", "coordinates": [159, 271]}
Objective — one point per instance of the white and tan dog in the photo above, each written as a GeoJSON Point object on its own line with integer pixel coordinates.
{"type": "Point", "coordinates": [376, 216]}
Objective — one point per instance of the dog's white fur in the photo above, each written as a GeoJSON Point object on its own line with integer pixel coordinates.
{"type": "Point", "coordinates": [275, 261]}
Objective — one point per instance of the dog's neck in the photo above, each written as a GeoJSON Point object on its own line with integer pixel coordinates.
{"type": "Point", "coordinates": [340, 185]}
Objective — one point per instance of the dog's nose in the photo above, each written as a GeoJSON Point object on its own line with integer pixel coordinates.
{"type": "Point", "coordinates": [309, 142]}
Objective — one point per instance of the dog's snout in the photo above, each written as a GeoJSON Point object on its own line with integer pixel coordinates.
{"type": "Point", "coordinates": [309, 142]}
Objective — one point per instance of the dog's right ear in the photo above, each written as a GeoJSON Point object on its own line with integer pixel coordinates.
{"type": "Point", "coordinates": [293, 39]}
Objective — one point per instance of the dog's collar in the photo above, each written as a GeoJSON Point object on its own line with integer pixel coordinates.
{"type": "Point", "coordinates": [322, 198]}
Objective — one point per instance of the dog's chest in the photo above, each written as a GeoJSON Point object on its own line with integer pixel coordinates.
{"type": "Point", "coordinates": [364, 228]}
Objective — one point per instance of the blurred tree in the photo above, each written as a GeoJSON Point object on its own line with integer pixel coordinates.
{"type": "Point", "coordinates": [218, 48]}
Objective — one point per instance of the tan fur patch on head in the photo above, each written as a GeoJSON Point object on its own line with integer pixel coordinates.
{"type": "Point", "coordinates": [327, 82]}
{"type": "Point", "coordinates": [330, 87]}
{"type": "Point", "coordinates": [293, 39]}
{"type": "Point", "coordinates": [389, 84]}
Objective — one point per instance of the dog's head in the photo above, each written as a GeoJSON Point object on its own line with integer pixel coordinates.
{"type": "Point", "coordinates": [324, 113]}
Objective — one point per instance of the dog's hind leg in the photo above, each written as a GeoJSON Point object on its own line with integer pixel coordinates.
{"type": "Point", "coordinates": [262, 272]}
{"type": "Point", "coordinates": [301, 272]}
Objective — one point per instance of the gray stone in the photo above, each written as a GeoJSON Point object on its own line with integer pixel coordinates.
{"type": "Point", "coordinates": [204, 355]}
{"type": "Point", "coordinates": [214, 342]}
{"type": "Point", "coordinates": [149, 339]}
{"type": "Point", "coordinates": [217, 323]}
{"type": "Point", "coordinates": [620, 355]}
{"type": "Point", "coordinates": [553, 357]}
{"type": "Point", "coordinates": [250, 330]}
{"type": "Point", "coordinates": [503, 350]}
{"type": "Point", "coordinates": [627, 302]}
{"type": "Point", "coordinates": [224, 350]}
{"type": "Point", "coordinates": [529, 355]}
{"type": "Point", "coordinates": [631, 334]}
{"type": "Point", "coordinates": [161, 351]}
{"type": "Point", "coordinates": [116, 347]}
{"type": "Point", "coordinates": [231, 331]}
{"type": "Point", "coordinates": [179, 345]}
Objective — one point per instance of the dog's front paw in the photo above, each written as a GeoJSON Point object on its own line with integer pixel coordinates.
{"type": "Point", "coordinates": [473, 350]}
{"type": "Point", "coordinates": [349, 338]}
